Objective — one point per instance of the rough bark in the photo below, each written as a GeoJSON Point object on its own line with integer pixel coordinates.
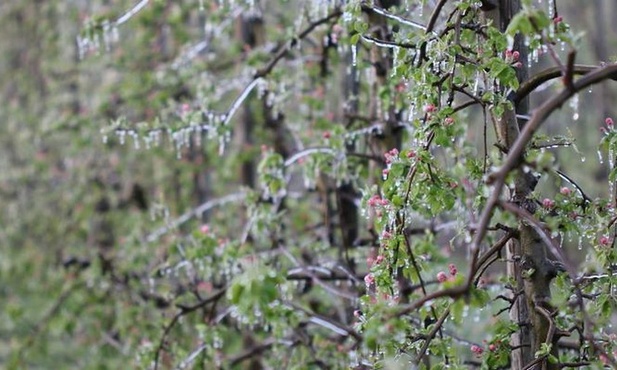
{"type": "Point", "coordinates": [528, 264]}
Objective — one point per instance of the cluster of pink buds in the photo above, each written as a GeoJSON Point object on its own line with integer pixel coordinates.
{"type": "Point", "coordinates": [609, 125]}
{"type": "Point", "coordinates": [604, 241]}
{"type": "Point", "coordinates": [512, 57]}
{"type": "Point", "coordinates": [548, 203]}
{"type": "Point", "coordinates": [185, 109]}
{"type": "Point", "coordinates": [376, 200]}
{"type": "Point", "coordinates": [391, 155]}
{"type": "Point", "coordinates": [453, 269]}
{"type": "Point", "coordinates": [430, 108]}
{"type": "Point", "coordinates": [442, 277]}
{"type": "Point", "coordinates": [477, 350]}
{"type": "Point", "coordinates": [369, 279]}
{"type": "Point", "coordinates": [337, 30]}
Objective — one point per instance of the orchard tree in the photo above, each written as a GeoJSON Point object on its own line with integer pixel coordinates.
{"type": "Point", "coordinates": [343, 184]}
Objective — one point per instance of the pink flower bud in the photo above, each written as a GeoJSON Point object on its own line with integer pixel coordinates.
{"type": "Point", "coordinates": [548, 203]}
{"type": "Point", "coordinates": [370, 261]}
{"type": "Point", "coordinates": [204, 229]}
{"type": "Point", "coordinates": [609, 121]}
{"type": "Point", "coordinates": [453, 269]}
{"type": "Point", "coordinates": [369, 279]}
{"type": "Point", "coordinates": [385, 172]}
{"type": "Point", "coordinates": [558, 19]}
{"type": "Point", "coordinates": [373, 201]}
{"type": "Point", "coordinates": [477, 349]}
{"type": "Point", "coordinates": [326, 134]}
{"type": "Point", "coordinates": [411, 154]}
{"type": "Point", "coordinates": [565, 191]}
{"type": "Point", "coordinates": [379, 259]}
{"type": "Point", "coordinates": [604, 241]}
{"type": "Point", "coordinates": [185, 108]}
{"type": "Point", "coordinates": [515, 55]}
{"type": "Point", "coordinates": [448, 121]}
{"type": "Point", "coordinates": [492, 347]}
{"type": "Point", "coordinates": [442, 277]}
{"type": "Point", "coordinates": [429, 108]}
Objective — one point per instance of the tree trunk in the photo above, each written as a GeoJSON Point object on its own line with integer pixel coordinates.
{"type": "Point", "coordinates": [531, 295]}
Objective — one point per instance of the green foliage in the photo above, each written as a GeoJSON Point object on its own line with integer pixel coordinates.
{"type": "Point", "coordinates": [241, 184]}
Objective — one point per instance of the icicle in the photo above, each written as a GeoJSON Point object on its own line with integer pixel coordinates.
{"type": "Point", "coordinates": [600, 157]}
{"type": "Point", "coordinates": [574, 105]}
{"type": "Point", "coordinates": [354, 55]}
{"type": "Point", "coordinates": [136, 141]}
{"type": "Point", "coordinates": [611, 161]}
{"type": "Point", "coordinates": [121, 136]}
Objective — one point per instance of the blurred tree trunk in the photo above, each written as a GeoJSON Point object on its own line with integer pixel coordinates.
{"type": "Point", "coordinates": [600, 48]}
{"type": "Point", "coordinates": [531, 294]}
{"type": "Point", "coordinates": [527, 254]}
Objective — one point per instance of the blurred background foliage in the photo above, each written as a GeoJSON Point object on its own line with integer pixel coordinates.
{"type": "Point", "coordinates": [82, 274]}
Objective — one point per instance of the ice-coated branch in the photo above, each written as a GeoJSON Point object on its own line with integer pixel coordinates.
{"type": "Point", "coordinates": [235, 197]}
{"type": "Point", "coordinates": [131, 12]}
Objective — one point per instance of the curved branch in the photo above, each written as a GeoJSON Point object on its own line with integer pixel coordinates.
{"type": "Point", "coordinates": [548, 74]}
{"type": "Point", "coordinates": [512, 161]}
{"type": "Point", "coordinates": [287, 46]}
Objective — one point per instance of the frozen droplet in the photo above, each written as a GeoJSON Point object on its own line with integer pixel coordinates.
{"type": "Point", "coordinates": [354, 55]}
{"type": "Point", "coordinates": [574, 103]}
{"type": "Point", "coordinates": [600, 157]}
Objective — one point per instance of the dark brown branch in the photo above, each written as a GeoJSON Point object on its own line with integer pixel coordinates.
{"type": "Point", "coordinates": [289, 45]}
{"type": "Point", "coordinates": [256, 350]}
{"type": "Point", "coordinates": [184, 310]}
{"type": "Point", "coordinates": [548, 74]}
{"type": "Point", "coordinates": [431, 334]}
{"type": "Point", "coordinates": [512, 161]}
